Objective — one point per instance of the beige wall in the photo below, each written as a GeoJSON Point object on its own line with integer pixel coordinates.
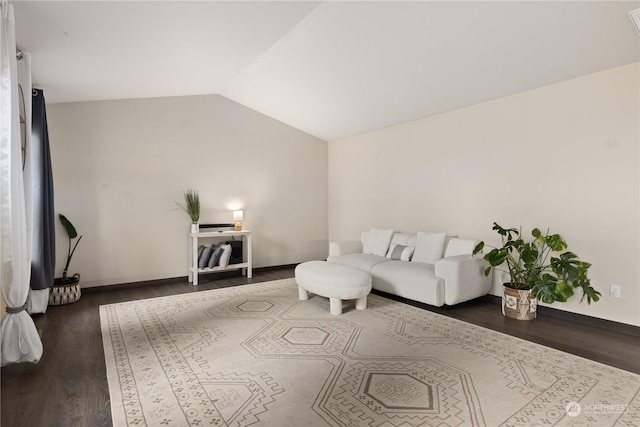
{"type": "Point", "coordinates": [564, 156]}
{"type": "Point", "coordinates": [121, 166]}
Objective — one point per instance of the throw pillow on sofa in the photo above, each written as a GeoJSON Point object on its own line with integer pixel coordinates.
{"type": "Point", "coordinates": [459, 246]}
{"type": "Point", "coordinates": [400, 252]}
{"type": "Point", "coordinates": [429, 247]}
{"type": "Point", "coordinates": [377, 241]}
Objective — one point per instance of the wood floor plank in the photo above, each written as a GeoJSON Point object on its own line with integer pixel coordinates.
{"type": "Point", "coordinates": [69, 386]}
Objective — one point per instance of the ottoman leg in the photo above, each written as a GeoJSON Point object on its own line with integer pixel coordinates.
{"type": "Point", "coordinates": [361, 303]}
{"type": "Point", "coordinates": [335, 305]}
{"type": "Point", "coordinates": [303, 295]}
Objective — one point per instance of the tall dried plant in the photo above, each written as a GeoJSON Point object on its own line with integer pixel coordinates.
{"type": "Point", "coordinates": [192, 205]}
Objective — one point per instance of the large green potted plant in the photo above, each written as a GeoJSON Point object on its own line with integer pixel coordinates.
{"type": "Point", "coordinates": [66, 289]}
{"type": "Point", "coordinates": [192, 208]}
{"type": "Point", "coordinates": [539, 269]}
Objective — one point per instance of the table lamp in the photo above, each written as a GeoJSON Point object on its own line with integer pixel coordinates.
{"type": "Point", "coordinates": [238, 217]}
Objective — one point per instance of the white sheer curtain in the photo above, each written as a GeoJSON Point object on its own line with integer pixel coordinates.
{"type": "Point", "coordinates": [20, 340]}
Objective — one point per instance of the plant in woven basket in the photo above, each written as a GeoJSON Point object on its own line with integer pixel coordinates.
{"type": "Point", "coordinates": [72, 234]}
{"type": "Point", "coordinates": [542, 265]}
{"type": "Point", "coordinates": [192, 205]}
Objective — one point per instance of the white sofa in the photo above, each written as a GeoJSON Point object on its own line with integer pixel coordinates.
{"type": "Point", "coordinates": [433, 268]}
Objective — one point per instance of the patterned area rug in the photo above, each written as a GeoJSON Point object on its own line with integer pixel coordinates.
{"type": "Point", "coordinates": [256, 355]}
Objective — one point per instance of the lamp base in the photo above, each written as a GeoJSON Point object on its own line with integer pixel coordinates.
{"type": "Point", "coordinates": [238, 226]}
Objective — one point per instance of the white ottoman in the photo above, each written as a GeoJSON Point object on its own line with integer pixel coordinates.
{"type": "Point", "coordinates": [334, 281]}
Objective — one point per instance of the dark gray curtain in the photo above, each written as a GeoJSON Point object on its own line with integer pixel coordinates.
{"type": "Point", "coordinates": [43, 260]}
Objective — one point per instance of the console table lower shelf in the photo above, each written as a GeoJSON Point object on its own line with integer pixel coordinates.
{"type": "Point", "coordinates": [246, 265]}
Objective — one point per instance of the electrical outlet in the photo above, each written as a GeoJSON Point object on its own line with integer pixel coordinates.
{"type": "Point", "coordinates": [616, 291]}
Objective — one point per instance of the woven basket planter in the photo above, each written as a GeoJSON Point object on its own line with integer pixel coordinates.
{"type": "Point", "coordinates": [519, 304]}
{"type": "Point", "coordinates": [63, 292]}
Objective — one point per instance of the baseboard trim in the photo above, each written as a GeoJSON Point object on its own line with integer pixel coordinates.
{"type": "Point", "coordinates": [623, 328]}
{"type": "Point", "coordinates": [581, 319]}
{"type": "Point", "coordinates": [179, 279]}
{"type": "Point", "coordinates": [130, 285]}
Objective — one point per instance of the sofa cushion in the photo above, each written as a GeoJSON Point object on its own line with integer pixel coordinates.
{"type": "Point", "coordinates": [406, 239]}
{"type": "Point", "coordinates": [377, 241]}
{"type": "Point", "coordinates": [400, 252]}
{"type": "Point", "coordinates": [404, 271]}
{"type": "Point", "coordinates": [362, 262]}
{"type": "Point", "coordinates": [413, 280]}
{"type": "Point", "coordinates": [458, 246]}
{"type": "Point", "coordinates": [429, 247]}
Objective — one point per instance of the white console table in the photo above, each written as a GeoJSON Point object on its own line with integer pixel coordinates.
{"type": "Point", "coordinates": [220, 235]}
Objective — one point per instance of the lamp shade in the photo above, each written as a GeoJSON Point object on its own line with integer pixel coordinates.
{"type": "Point", "coordinates": [238, 215]}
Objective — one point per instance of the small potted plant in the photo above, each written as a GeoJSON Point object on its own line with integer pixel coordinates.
{"type": "Point", "coordinates": [540, 269]}
{"type": "Point", "coordinates": [192, 208]}
{"type": "Point", "coordinates": [66, 289]}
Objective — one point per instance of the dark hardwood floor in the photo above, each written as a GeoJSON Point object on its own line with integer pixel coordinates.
{"type": "Point", "coordinates": [68, 387]}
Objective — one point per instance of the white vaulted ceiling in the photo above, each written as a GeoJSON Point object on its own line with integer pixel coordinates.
{"type": "Point", "coordinates": [332, 69]}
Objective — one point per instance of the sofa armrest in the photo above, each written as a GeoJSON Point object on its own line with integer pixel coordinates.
{"type": "Point", "coordinates": [345, 247]}
{"type": "Point", "coordinates": [464, 277]}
